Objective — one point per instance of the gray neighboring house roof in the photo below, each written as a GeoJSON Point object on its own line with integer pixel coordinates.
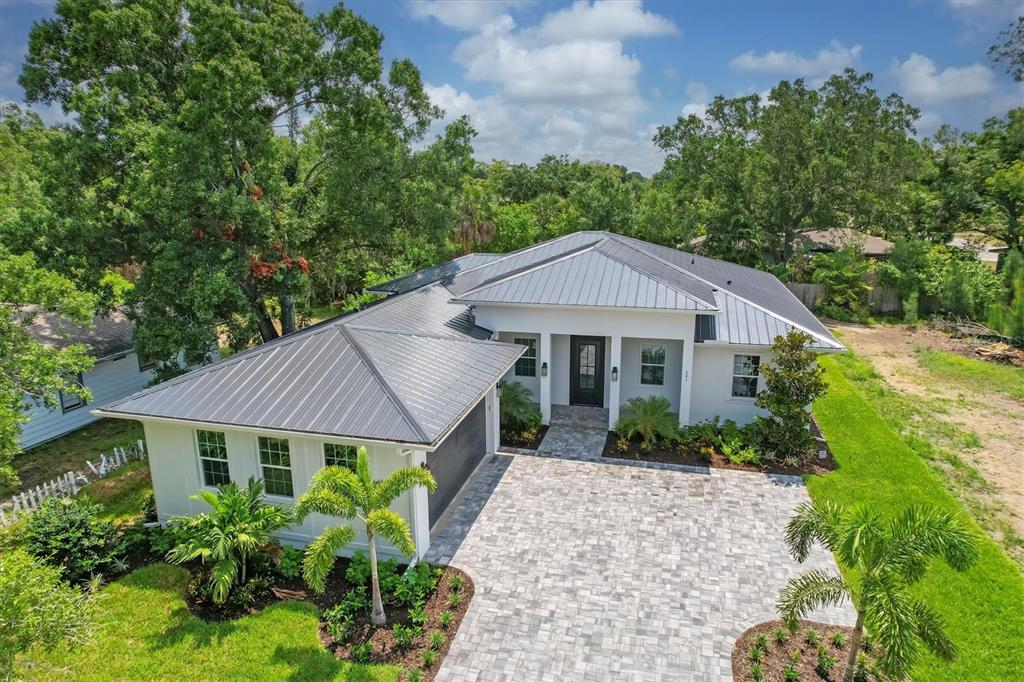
{"type": "Point", "coordinates": [404, 370]}
{"type": "Point", "coordinates": [110, 334]}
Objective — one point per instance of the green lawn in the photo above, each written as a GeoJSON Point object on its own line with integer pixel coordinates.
{"type": "Point", "coordinates": [974, 375]}
{"type": "Point", "coordinates": [983, 607]}
{"type": "Point", "coordinates": [147, 633]}
{"type": "Point", "coordinates": [69, 453]}
{"type": "Point", "coordinates": [122, 493]}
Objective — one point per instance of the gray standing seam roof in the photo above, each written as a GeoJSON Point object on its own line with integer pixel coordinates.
{"type": "Point", "coordinates": [345, 377]}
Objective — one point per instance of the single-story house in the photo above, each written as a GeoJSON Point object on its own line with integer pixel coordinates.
{"type": "Point", "coordinates": [118, 371]}
{"type": "Point", "coordinates": [829, 240]}
{"type": "Point", "coordinates": [588, 319]}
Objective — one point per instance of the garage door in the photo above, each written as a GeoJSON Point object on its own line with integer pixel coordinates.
{"type": "Point", "coordinates": [456, 458]}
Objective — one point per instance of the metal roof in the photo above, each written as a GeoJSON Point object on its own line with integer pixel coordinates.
{"type": "Point", "coordinates": [346, 377]}
{"type": "Point", "coordinates": [433, 274]}
{"type": "Point", "coordinates": [109, 334]}
{"type": "Point", "coordinates": [605, 274]}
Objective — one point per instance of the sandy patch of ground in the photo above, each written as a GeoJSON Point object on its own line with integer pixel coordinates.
{"type": "Point", "coordinates": [996, 419]}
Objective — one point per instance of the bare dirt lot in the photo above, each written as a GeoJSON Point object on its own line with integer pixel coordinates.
{"type": "Point", "coordinates": [986, 416]}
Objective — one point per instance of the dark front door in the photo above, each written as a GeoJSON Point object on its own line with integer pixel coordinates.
{"type": "Point", "coordinates": [586, 370]}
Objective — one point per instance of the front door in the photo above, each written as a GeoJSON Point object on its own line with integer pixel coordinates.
{"type": "Point", "coordinates": [586, 371]}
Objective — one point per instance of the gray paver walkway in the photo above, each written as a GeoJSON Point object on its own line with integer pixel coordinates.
{"type": "Point", "coordinates": [588, 571]}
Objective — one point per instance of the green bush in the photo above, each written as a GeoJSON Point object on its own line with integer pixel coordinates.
{"type": "Point", "coordinates": [38, 610]}
{"type": "Point", "coordinates": [518, 413]}
{"type": "Point", "coordinates": [289, 563]}
{"type": "Point", "coordinates": [66, 534]}
{"type": "Point", "coordinates": [650, 418]}
{"type": "Point", "coordinates": [793, 380]}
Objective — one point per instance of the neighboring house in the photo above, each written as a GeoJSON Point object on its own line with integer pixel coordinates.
{"type": "Point", "coordinates": [588, 319]}
{"type": "Point", "coordinates": [118, 371]}
{"type": "Point", "coordinates": [988, 250]}
{"type": "Point", "coordinates": [829, 240]}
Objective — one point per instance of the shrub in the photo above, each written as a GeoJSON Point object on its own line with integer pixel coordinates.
{"type": "Point", "coordinates": [842, 272]}
{"type": "Point", "coordinates": [238, 526]}
{"type": "Point", "coordinates": [790, 674]}
{"type": "Point", "coordinates": [781, 635]}
{"type": "Point", "coordinates": [445, 619]}
{"type": "Point", "coordinates": [413, 675]}
{"type": "Point", "coordinates": [861, 670]}
{"type": "Point", "coordinates": [456, 582]}
{"type": "Point", "coordinates": [414, 586]}
{"type": "Point", "coordinates": [437, 640]}
{"type": "Point", "coordinates": [622, 444]}
{"type": "Point", "coordinates": [812, 637]}
{"type": "Point", "coordinates": [756, 673]}
{"type": "Point", "coordinates": [37, 609]}
{"type": "Point", "coordinates": [428, 657]}
{"type": "Point", "coordinates": [650, 418]}
{"type": "Point", "coordinates": [756, 654]}
{"type": "Point", "coordinates": [363, 653]}
{"type": "Point", "coordinates": [761, 642]}
{"type": "Point", "coordinates": [838, 639]}
{"type": "Point", "coordinates": [339, 621]}
{"type": "Point", "coordinates": [518, 413]}
{"type": "Point", "coordinates": [418, 614]}
{"type": "Point", "coordinates": [793, 380]}
{"type": "Point", "coordinates": [289, 563]}
{"type": "Point", "coordinates": [404, 634]}
{"type": "Point", "coordinates": [66, 534]}
{"type": "Point", "coordinates": [454, 599]}
{"type": "Point", "coordinates": [825, 663]}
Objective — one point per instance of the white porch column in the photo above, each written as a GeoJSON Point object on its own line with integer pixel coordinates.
{"type": "Point", "coordinates": [545, 381]}
{"type": "Point", "coordinates": [686, 382]}
{"type": "Point", "coordinates": [493, 429]}
{"type": "Point", "coordinates": [420, 509]}
{"type": "Point", "coordinates": [613, 384]}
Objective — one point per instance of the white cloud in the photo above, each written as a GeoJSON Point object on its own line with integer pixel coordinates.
{"type": "Point", "coordinates": [464, 15]}
{"type": "Point", "coordinates": [697, 97]}
{"type": "Point", "coordinates": [563, 86]}
{"type": "Point", "coordinates": [920, 79]}
{"type": "Point", "coordinates": [986, 10]}
{"type": "Point", "coordinates": [832, 59]}
{"type": "Point", "coordinates": [604, 20]}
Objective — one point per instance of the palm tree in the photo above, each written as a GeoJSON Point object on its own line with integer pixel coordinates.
{"type": "Point", "coordinates": [650, 417]}
{"type": "Point", "coordinates": [518, 410]}
{"type": "Point", "coordinates": [239, 524]}
{"type": "Point", "coordinates": [886, 558]}
{"type": "Point", "coordinates": [339, 491]}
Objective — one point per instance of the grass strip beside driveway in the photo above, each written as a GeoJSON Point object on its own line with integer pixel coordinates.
{"type": "Point", "coordinates": [982, 608]}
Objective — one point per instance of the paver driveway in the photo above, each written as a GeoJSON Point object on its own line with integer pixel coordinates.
{"type": "Point", "coordinates": [589, 571]}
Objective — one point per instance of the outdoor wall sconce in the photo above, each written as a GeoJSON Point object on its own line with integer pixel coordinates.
{"type": "Point", "coordinates": [543, 369]}
{"type": "Point", "coordinates": [615, 373]}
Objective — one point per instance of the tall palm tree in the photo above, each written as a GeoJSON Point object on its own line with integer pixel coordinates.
{"type": "Point", "coordinates": [339, 491]}
{"type": "Point", "coordinates": [239, 524]}
{"type": "Point", "coordinates": [886, 558]}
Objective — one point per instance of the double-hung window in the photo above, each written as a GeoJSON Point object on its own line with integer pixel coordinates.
{"type": "Point", "coordinates": [652, 364]}
{"type": "Point", "coordinates": [744, 375]}
{"type": "Point", "coordinates": [213, 457]}
{"type": "Point", "coordinates": [526, 365]}
{"type": "Point", "coordinates": [276, 462]}
{"type": "Point", "coordinates": [72, 401]}
{"type": "Point", "coordinates": [340, 455]}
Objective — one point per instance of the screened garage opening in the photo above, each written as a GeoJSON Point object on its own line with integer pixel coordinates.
{"type": "Point", "coordinates": [456, 458]}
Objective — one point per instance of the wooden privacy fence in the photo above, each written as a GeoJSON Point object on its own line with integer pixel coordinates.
{"type": "Point", "coordinates": [880, 299]}
{"type": "Point", "coordinates": [68, 484]}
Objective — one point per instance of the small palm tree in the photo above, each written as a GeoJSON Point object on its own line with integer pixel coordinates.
{"type": "Point", "coordinates": [338, 491]}
{"type": "Point", "coordinates": [887, 557]}
{"type": "Point", "coordinates": [239, 524]}
{"type": "Point", "coordinates": [650, 418]}
{"type": "Point", "coordinates": [517, 408]}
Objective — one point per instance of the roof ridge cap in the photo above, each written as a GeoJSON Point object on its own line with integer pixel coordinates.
{"type": "Point", "coordinates": [428, 335]}
{"type": "Point", "coordinates": [513, 274]}
{"type": "Point", "coordinates": [368, 361]}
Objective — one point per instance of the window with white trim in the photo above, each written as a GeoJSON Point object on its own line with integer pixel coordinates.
{"type": "Point", "coordinates": [213, 457]}
{"type": "Point", "coordinates": [336, 455]}
{"type": "Point", "coordinates": [744, 375]}
{"type": "Point", "coordinates": [276, 462]}
{"type": "Point", "coordinates": [652, 364]}
{"type": "Point", "coordinates": [72, 401]}
{"type": "Point", "coordinates": [526, 365]}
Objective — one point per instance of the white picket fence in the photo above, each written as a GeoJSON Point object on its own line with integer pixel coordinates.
{"type": "Point", "coordinates": [68, 484]}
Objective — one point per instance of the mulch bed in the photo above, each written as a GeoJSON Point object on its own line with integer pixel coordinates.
{"type": "Point", "coordinates": [382, 640]}
{"type": "Point", "coordinates": [526, 445]}
{"type": "Point", "coordinates": [777, 656]}
{"type": "Point", "coordinates": [671, 453]}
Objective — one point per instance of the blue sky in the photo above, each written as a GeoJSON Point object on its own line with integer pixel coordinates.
{"type": "Point", "coordinates": [593, 79]}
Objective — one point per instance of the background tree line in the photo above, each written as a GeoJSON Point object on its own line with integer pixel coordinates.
{"type": "Point", "coordinates": [226, 167]}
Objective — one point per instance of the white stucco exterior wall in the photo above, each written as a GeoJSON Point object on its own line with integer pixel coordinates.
{"type": "Point", "coordinates": [712, 384]}
{"type": "Point", "coordinates": [174, 463]}
{"type": "Point", "coordinates": [629, 373]}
